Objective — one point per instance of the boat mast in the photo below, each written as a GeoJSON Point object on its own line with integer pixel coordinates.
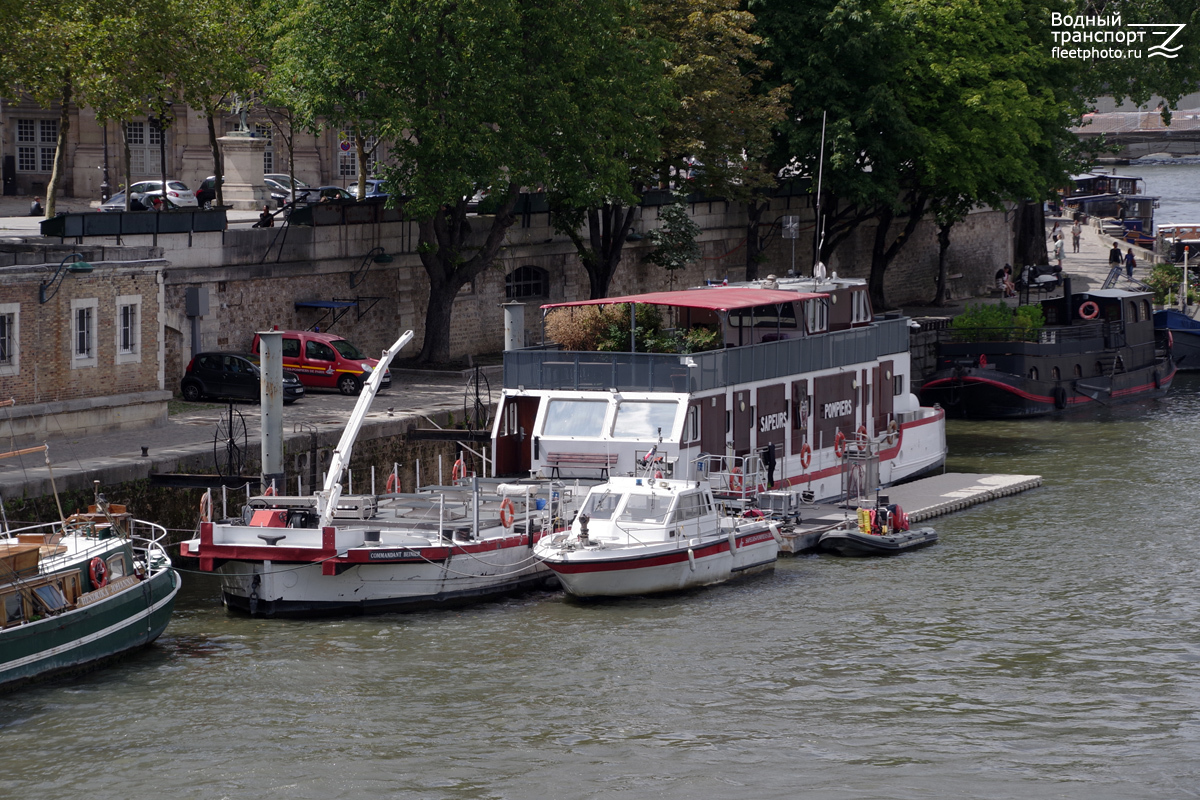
{"type": "Point", "coordinates": [327, 498]}
{"type": "Point", "coordinates": [820, 237]}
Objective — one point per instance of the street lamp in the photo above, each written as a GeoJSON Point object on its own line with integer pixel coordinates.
{"type": "Point", "coordinates": [80, 267]}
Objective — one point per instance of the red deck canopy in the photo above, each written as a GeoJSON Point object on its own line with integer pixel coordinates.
{"type": "Point", "coordinates": [717, 298]}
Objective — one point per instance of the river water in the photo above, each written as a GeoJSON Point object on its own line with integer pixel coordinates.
{"type": "Point", "coordinates": [1176, 182]}
{"type": "Point", "coordinates": [1046, 647]}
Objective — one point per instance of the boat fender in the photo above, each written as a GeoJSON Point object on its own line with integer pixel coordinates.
{"type": "Point", "coordinates": [459, 470]}
{"type": "Point", "coordinates": [893, 432]}
{"type": "Point", "coordinates": [839, 444]}
{"type": "Point", "coordinates": [270, 492]}
{"type": "Point", "coordinates": [206, 507]}
{"type": "Point", "coordinates": [98, 571]}
{"type": "Point", "coordinates": [692, 559]}
{"type": "Point", "coordinates": [1157, 380]}
{"type": "Point", "coordinates": [1089, 310]}
{"type": "Point", "coordinates": [732, 542]}
{"type": "Point", "coordinates": [900, 519]}
{"type": "Point", "coordinates": [983, 359]}
{"type": "Point", "coordinates": [1060, 397]}
{"type": "Point", "coordinates": [393, 484]}
{"type": "Point", "coordinates": [775, 532]}
{"type": "Point", "coordinates": [805, 456]}
{"type": "Point", "coordinates": [507, 514]}
{"type": "Point", "coordinates": [735, 479]}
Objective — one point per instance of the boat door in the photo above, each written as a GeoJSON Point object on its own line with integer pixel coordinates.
{"type": "Point", "coordinates": [743, 419]}
{"type": "Point", "coordinates": [882, 395]}
{"type": "Point", "coordinates": [713, 427]}
{"type": "Point", "coordinates": [835, 407]}
{"type": "Point", "coordinates": [514, 435]}
{"type": "Point", "coordinates": [772, 419]}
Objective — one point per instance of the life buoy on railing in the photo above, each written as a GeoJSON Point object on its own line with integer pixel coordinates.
{"type": "Point", "coordinates": [507, 513]}
{"type": "Point", "coordinates": [98, 571]}
{"type": "Point", "coordinates": [893, 432]}
{"type": "Point", "coordinates": [862, 435]}
{"type": "Point", "coordinates": [805, 456]}
{"type": "Point", "coordinates": [206, 507]}
{"type": "Point", "coordinates": [270, 492]}
{"type": "Point", "coordinates": [459, 471]}
{"type": "Point", "coordinates": [1089, 310]}
{"type": "Point", "coordinates": [839, 444]}
{"type": "Point", "coordinates": [735, 479]}
{"type": "Point", "coordinates": [393, 484]}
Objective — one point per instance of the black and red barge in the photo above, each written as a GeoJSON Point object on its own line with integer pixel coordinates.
{"type": "Point", "coordinates": [1096, 348]}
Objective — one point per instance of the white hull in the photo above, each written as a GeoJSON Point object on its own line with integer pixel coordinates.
{"type": "Point", "coordinates": [661, 567]}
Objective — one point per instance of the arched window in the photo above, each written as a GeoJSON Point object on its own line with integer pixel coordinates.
{"type": "Point", "coordinates": [1033, 373]}
{"type": "Point", "coordinates": [525, 282]}
{"type": "Point", "coordinates": [1078, 371]}
{"type": "Point", "coordinates": [1146, 309]}
{"type": "Point", "coordinates": [1133, 311]}
{"type": "Point", "coordinates": [1054, 373]}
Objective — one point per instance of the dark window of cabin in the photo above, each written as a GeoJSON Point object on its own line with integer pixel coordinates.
{"type": "Point", "coordinates": [1054, 373]}
{"type": "Point", "coordinates": [1033, 373]}
{"type": "Point", "coordinates": [783, 316]}
{"type": "Point", "coordinates": [1078, 371]}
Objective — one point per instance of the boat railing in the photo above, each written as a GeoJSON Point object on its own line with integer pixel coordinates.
{"type": "Point", "coordinates": [1044, 335]}
{"type": "Point", "coordinates": [733, 477]}
{"type": "Point", "coordinates": [546, 368]}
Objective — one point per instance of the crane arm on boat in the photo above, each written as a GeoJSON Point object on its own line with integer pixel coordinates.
{"type": "Point", "coordinates": [327, 498]}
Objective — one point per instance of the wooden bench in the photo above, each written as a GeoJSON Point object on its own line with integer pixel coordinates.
{"type": "Point", "coordinates": [600, 461]}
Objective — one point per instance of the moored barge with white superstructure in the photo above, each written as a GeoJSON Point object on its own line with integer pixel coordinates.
{"type": "Point", "coordinates": [805, 375]}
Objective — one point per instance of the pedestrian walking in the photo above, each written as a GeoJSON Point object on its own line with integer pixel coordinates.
{"type": "Point", "coordinates": [1059, 246]}
{"type": "Point", "coordinates": [1130, 263]}
{"type": "Point", "coordinates": [1076, 231]}
{"type": "Point", "coordinates": [1114, 257]}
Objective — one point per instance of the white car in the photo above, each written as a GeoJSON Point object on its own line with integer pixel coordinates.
{"type": "Point", "coordinates": [178, 194]}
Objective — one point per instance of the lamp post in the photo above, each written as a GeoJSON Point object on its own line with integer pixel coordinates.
{"type": "Point", "coordinates": [55, 282]}
{"type": "Point", "coordinates": [105, 186]}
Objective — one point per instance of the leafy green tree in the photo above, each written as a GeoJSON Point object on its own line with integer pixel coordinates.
{"type": "Point", "coordinates": [675, 245]}
{"type": "Point", "coordinates": [479, 94]}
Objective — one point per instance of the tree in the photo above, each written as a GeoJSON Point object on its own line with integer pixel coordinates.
{"type": "Point", "coordinates": [675, 244]}
{"type": "Point", "coordinates": [480, 94]}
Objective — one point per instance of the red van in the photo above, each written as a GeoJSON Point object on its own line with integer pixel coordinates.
{"type": "Point", "coordinates": [324, 360]}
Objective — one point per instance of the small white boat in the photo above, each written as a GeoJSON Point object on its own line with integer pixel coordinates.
{"type": "Point", "coordinates": [638, 536]}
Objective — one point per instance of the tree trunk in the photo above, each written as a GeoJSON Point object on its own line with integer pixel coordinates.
{"type": "Point", "coordinates": [1029, 238]}
{"type": "Point", "coordinates": [60, 150]}
{"type": "Point", "coordinates": [755, 244]}
{"type": "Point", "coordinates": [218, 162]}
{"type": "Point", "coordinates": [128, 163]}
{"type": "Point", "coordinates": [882, 253]}
{"type": "Point", "coordinates": [939, 299]}
{"type": "Point", "coordinates": [441, 246]}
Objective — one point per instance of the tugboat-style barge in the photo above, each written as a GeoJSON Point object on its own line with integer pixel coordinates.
{"type": "Point", "coordinates": [805, 390]}
{"type": "Point", "coordinates": [1096, 347]}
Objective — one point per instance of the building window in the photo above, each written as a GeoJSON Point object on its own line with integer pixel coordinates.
{"type": "Point", "coordinates": [129, 320]}
{"type": "Point", "coordinates": [83, 333]}
{"type": "Point", "coordinates": [266, 132]}
{"type": "Point", "coordinates": [526, 282]}
{"type": "Point", "coordinates": [36, 142]}
{"type": "Point", "coordinates": [10, 350]}
{"type": "Point", "coordinates": [145, 140]}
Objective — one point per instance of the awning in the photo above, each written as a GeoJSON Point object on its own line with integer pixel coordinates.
{"type": "Point", "coordinates": [718, 298]}
{"type": "Point", "coordinates": [326, 303]}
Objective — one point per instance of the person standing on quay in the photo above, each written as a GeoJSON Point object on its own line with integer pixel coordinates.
{"type": "Point", "coordinates": [1114, 257]}
{"type": "Point", "coordinates": [1076, 230]}
{"type": "Point", "coordinates": [1059, 246]}
{"type": "Point", "coordinates": [1130, 263]}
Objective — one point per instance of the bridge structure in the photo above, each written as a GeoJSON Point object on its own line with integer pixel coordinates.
{"type": "Point", "coordinates": [1138, 134]}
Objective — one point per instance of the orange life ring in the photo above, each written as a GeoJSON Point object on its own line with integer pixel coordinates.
{"type": "Point", "coordinates": [1089, 310]}
{"type": "Point", "coordinates": [459, 471]}
{"type": "Point", "coordinates": [393, 484]}
{"type": "Point", "coordinates": [98, 571]}
{"type": "Point", "coordinates": [507, 514]}
{"type": "Point", "coordinates": [839, 444]}
{"type": "Point", "coordinates": [206, 507]}
{"type": "Point", "coordinates": [805, 456]}
{"type": "Point", "coordinates": [270, 492]}
{"type": "Point", "coordinates": [735, 479]}
{"type": "Point", "coordinates": [983, 359]}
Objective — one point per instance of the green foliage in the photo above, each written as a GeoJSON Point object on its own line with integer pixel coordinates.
{"type": "Point", "coordinates": [606, 329]}
{"type": "Point", "coordinates": [675, 240]}
{"type": "Point", "coordinates": [997, 323]}
{"type": "Point", "coordinates": [1165, 280]}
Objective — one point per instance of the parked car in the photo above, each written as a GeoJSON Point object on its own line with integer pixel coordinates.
{"type": "Point", "coordinates": [376, 188]}
{"type": "Point", "coordinates": [232, 375]}
{"type": "Point", "coordinates": [327, 361]}
{"type": "Point", "coordinates": [315, 194]}
{"type": "Point", "coordinates": [178, 196]}
{"type": "Point", "coordinates": [208, 190]}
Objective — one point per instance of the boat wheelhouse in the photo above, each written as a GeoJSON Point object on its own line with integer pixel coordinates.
{"type": "Point", "coordinates": [807, 389]}
{"type": "Point", "coordinates": [1120, 200]}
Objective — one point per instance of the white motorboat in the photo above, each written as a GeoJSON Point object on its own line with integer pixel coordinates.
{"type": "Point", "coordinates": [330, 553]}
{"type": "Point", "coordinates": [645, 535]}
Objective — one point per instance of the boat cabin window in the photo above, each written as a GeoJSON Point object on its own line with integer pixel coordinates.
{"type": "Point", "coordinates": [575, 418]}
{"type": "Point", "coordinates": [816, 316]}
{"type": "Point", "coordinates": [782, 316]}
{"type": "Point", "coordinates": [691, 427]}
{"type": "Point", "coordinates": [691, 506]}
{"type": "Point", "coordinates": [50, 598]}
{"type": "Point", "coordinates": [860, 304]}
{"type": "Point", "coordinates": [602, 504]}
{"type": "Point", "coordinates": [1146, 309]}
{"type": "Point", "coordinates": [641, 420]}
{"type": "Point", "coordinates": [116, 566]}
{"type": "Point", "coordinates": [1133, 311]}
{"type": "Point", "coordinates": [14, 608]}
{"type": "Point", "coordinates": [643, 508]}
